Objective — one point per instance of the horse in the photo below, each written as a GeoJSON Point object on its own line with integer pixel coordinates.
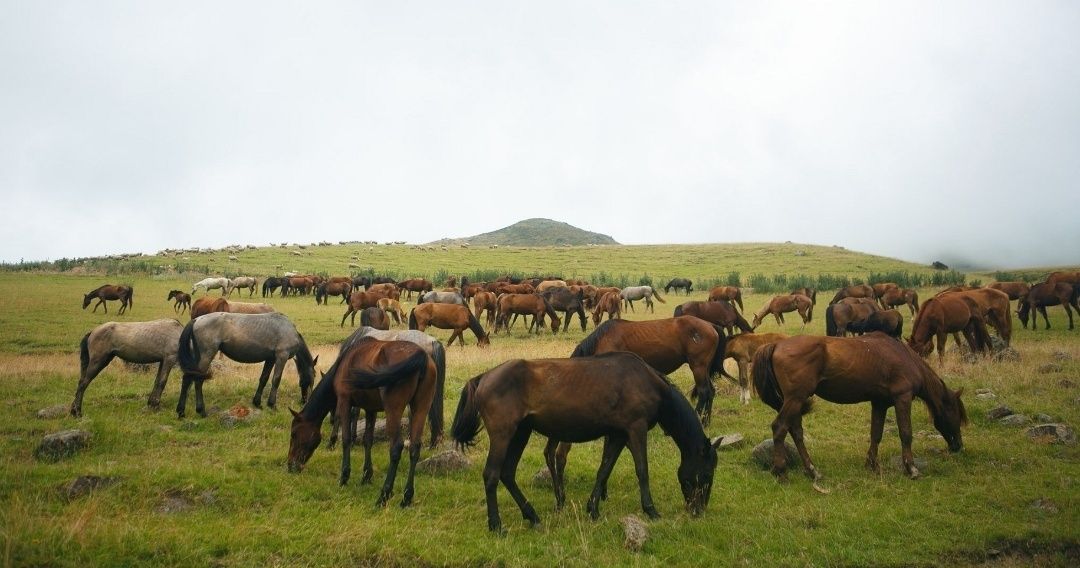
{"type": "Point", "coordinates": [533, 305]}
{"type": "Point", "coordinates": [523, 288]}
{"type": "Point", "coordinates": [393, 309]}
{"type": "Point", "coordinates": [1046, 294]}
{"type": "Point", "coordinates": [731, 294]}
{"type": "Point", "coordinates": [247, 338]}
{"type": "Point", "coordinates": [414, 285]}
{"type": "Point", "coordinates": [1067, 277]}
{"type": "Point", "coordinates": [898, 297]}
{"type": "Point", "coordinates": [110, 292]}
{"type": "Point", "coordinates": [958, 288]}
{"type": "Point", "coordinates": [632, 293]}
{"type": "Point", "coordinates": [569, 302]}
{"type": "Point", "coordinates": [358, 301]}
{"type": "Point", "coordinates": [448, 316]}
{"type": "Point", "coordinates": [208, 284]}
{"type": "Point", "coordinates": [271, 284]}
{"type": "Point", "coordinates": [183, 301]}
{"type": "Point", "coordinates": [441, 298]}
{"type": "Point", "coordinates": [484, 300]}
{"type": "Point", "coordinates": [1017, 290]}
{"type": "Point", "coordinates": [385, 290]}
{"type": "Point", "coordinates": [248, 282]}
{"type": "Point", "coordinates": [570, 400]}
{"type": "Point", "coordinates": [249, 308]}
{"type": "Point", "coordinates": [375, 317]}
{"type": "Point", "coordinates": [995, 308]}
{"type": "Point", "coordinates": [808, 292]}
{"type": "Point", "coordinates": [374, 375]}
{"type": "Point", "coordinates": [325, 289]}
{"type": "Point", "coordinates": [786, 303]}
{"type": "Point", "coordinates": [855, 291]}
{"type": "Point", "coordinates": [872, 302]}
{"type": "Point", "coordinates": [135, 342]}
{"type": "Point", "coordinates": [360, 281]}
{"type": "Point", "coordinates": [206, 305]}
{"type": "Point", "coordinates": [301, 284]}
{"type": "Point", "coordinates": [841, 317]}
{"type": "Point", "coordinates": [549, 284]}
{"type": "Point", "coordinates": [741, 348]}
{"type": "Point", "coordinates": [611, 304]}
{"type": "Point", "coordinates": [881, 287]}
{"type": "Point", "coordinates": [598, 292]}
{"type": "Point", "coordinates": [873, 368]}
{"type": "Point", "coordinates": [945, 314]}
{"type": "Point", "coordinates": [722, 314]}
{"type": "Point", "coordinates": [666, 344]}
{"type": "Point", "coordinates": [684, 284]}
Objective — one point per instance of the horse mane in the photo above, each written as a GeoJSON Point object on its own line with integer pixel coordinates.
{"type": "Point", "coordinates": [742, 324]}
{"type": "Point", "coordinates": [588, 346]}
{"type": "Point", "coordinates": [303, 357]}
{"type": "Point", "coordinates": [474, 324]}
{"type": "Point", "coordinates": [679, 420]}
{"type": "Point", "coordinates": [934, 392]}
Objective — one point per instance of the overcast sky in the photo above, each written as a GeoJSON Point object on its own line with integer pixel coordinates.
{"type": "Point", "coordinates": [920, 130]}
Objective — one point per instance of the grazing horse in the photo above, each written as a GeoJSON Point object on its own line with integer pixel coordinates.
{"type": "Point", "coordinates": [302, 285]}
{"type": "Point", "coordinates": [248, 282]}
{"type": "Point", "coordinates": [873, 303]}
{"type": "Point", "coordinates": [842, 317]}
{"type": "Point", "coordinates": [523, 288]}
{"type": "Point", "coordinates": [325, 289]}
{"type": "Point", "coordinates": [357, 302]}
{"type": "Point", "coordinates": [611, 304]}
{"type": "Point", "coordinates": [731, 294]}
{"type": "Point", "coordinates": [183, 301]}
{"type": "Point", "coordinates": [995, 308]}
{"type": "Point", "coordinates": [271, 284]}
{"type": "Point", "coordinates": [1017, 290]}
{"type": "Point", "coordinates": [808, 292]}
{"type": "Point", "coordinates": [110, 292]}
{"type": "Point", "coordinates": [533, 305]}
{"type": "Point", "coordinates": [741, 348]}
{"type": "Point", "coordinates": [898, 297]}
{"type": "Point", "coordinates": [945, 314]}
{"type": "Point", "coordinates": [247, 338]}
{"type": "Point", "coordinates": [208, 284]}
{"type": "Point", "coordinates": [375, 317]}
{"type": "Point", "coordinates": [393, 309]}
{"type": "Point", "coordinates": [1046, 294]}
{"type": "Point", "coordinates": [385, 290]}
{"type": "Point", "coordinates": [632, 293]}
{"type": "Point", "coordinates": [786, 303]}
{"type": "Point", "coordinates": [872, 368]}
{"type": "Point", "coordinates": [569, 302]}
{"type": "Point", "coordinates": [684, 284]}
{"type": "Point", "coordinates": [1067, 277]}
{"type": "Point", "coordinates": [135, 342]}
{"type": "Point", "coordinates": [881, 287]}
{"type": "Point", "coordinates": [374, 375]}
{"type": "Point", "coordinates": [722, 314]}
{"type": "Point", "coordinates": [549, 284]}
{"type": "Point", "coordinates": [855, 291]}
{"type": "Point", "coordinates": [666, 344]}
{"type": "Point", "coordinates": [484, 300]}
{"type": "Point", "coordinates": [448, 316]}
{"type": "Point", "coordinates": [958, 288]}
{"type": "Point", "coordinates": [414, 285]}
{"type": "Point", "coordinates": [570, 400]}
{"type": "Point", "coordinates": [441, 298]}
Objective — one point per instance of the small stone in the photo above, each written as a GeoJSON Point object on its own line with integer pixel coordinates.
{"type": "Point", "coordinates": [1044, 504]}
{"type": "Point", "coordinates": [999, 412]}
{"type": "Point", "coordinates": [985, 396]}
{"type": "Point", "coordinates": [636, 533]}
{"type": "Point", "coordinates": [1052, 433]}
{"type": "Point", "coordinates": [1015, 420]}
{"type": "Point", "coordinates": [1049, 368]}
{"type": "Point", "coordinates": [1061, 356]}
{"type": "Point", "coordinates": [542, 477]}
{"type": "Point", "coordinates": [1043, 418]}
{"type": "Point", "coordinates": [58, 411]}
{"type": "Point", "coordinates": [379, 431]}
{"type": "Point", "coordinates": [1066, 384]}
{"type": "Point", "coordinates": [729, 441]}
{"type": "Point", "coordinates": [85, 484]}
{"type": "Point", "coordinates": [57, 446]}
{"type": "Point", "coordinates": [445, 462]}
{"type": "Point", "coordinates": [983, 391]}
{"type": "Point", "coordinates": [762, 454]}
{"type": "Point", "coordinates": [174, 501]}
{"type": "Point", "coordinates": [1007, 354]}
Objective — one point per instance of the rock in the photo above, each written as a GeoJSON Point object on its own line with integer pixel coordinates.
{"type": "Point", "coordinates": [1044, 418]}
{"type": "Point", "coordinates": [999, 412]}
{"type": "Point", "coordinates": [379, 432]}
{"type": "Point", "coordinates": [985, 396]}
{"type": "Point", "coordinates": [1052, 433]}
{"type": "Point", "coordinates": [1049, 368]}
{"type": "Point", "coordinates": [981, 391]}
{"type": "Point", "coordinates": [1066, 384]}
{"type": "Point", "coordinates": [58, 411]}
{"type": "Point", "coordinates": [897, 462]}
{"type": "Point", "coordinates": [57, 446]}
{"type": "Point", "coordinates": [1044, 504]}
{"type": "Point", "coordinates": [1015, 420]}
{"type": "Point", "coordinates": [997, 344]}
{"type": "Point", "coordinates": [542, 477]}
{"type": "Point", "coordinates": [762, 454]}
{"type": "Point", "coordinates": [970, 358]}
{"type": "Point", "coordinates": [174, 501]}
{"type": "Point", "coordinates": [730, 441]}
{"type": "Point", "coordinates": [636, 533]}
{"type": "Point", "coordinates": [1060, 355]}
{"type": "Point", "coordinates": [86, 484]}
{"type": "Point", "coordinates": [237, 414]}
{"type": "Point", "coordinates": [445, 462]}
{"type": "Point", "coordinates": [1007, 354]}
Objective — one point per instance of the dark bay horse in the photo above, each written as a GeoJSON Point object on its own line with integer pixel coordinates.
{"type": "Point", "coordinates": [684, 284]}
{"type": "Point", "coordinates": [855, 291]}
{"type": "Point", "coordinates": [945, 314]}
{"type": "Point", "coordinates": [110, 292]}
{"type": "Point", "coordinates": [666, 344]}
{"type": "Point", "coordinates": [873, 368]}
{"type": "Point", "coordinates": [270, 339]}
{"type": "Point", "coordinates": [615, 396]}
{"type": "Point", "coordinates": [1045, 294]}
{"type": "Point", "coordinates": [485, 301]}
{"type": "Point", "coordinates": [183, 301]}
{"type": "Point", "coordinates": [731, 294]}
{"type": "Point", "coordinates": [411, 285]}
{"type": "Point", "coordinates": [358, 301]}
{"type": "Point", "coordinates": [375, 317]}
{"type": "Point", "coordinates": [533, 305]}
{"type": "Point", "coordinates": [841, 317]}
{"type": "Point", "coordinates": [376, 376]}
{"type": "Point", "coordinates": [448, 316]}
{"type": "Point", "coordinates": [722, 314]}
{"type": "Point", "coordinates": [271, 284]}
{"type": "Point", "coordinates": [779, 305]}
{"type": "Point", "coordinates": [135, 342]}
{"type": "Point", "coordinates": [325, 289]}
{"type": "Point", "coordinates": [569, 302]}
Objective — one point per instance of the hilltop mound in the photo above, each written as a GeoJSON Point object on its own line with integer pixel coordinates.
{"type": "Point", "coordinates": [533, 233]}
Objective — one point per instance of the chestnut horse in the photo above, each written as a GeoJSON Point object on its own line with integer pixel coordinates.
{"type": "Point", "coordinates": [414, 285]}
{"type": "Point", "coordinates": [945, 314]}
{"type": "Point", "coordinates": [357, 302]}
{"type": "Point", "coordinates": [610, 304]}
{"type": "Point", "coordinates": [873, 368]}
{"type": "Point", "coordinates": [110, 292]}
{"type": "Point", "coordinates": [881, 287]}
{"type": "Point", "coordinates": [898, 297]}
{"type": "Point", "coordinates": [393, 309]}
{"type": "Point", "coordinates": [448, 316]}
{"type": "Point", "coordinates": [1045, 294]}
{"type": "Point", "coordinates": [571, 400]}
{"type": "Point", "coordinates": [183, 301]}
{"type": "Point", "coordinates": [855, 291]}
{"type": "Point", "coordinates": [484, 300]}
{"type": "Point", "coordinates": [994, 306]}
{"type": "Point", "coordinates": [533, 305]}
{"type": "Point", "coordinates": [842, 317]}
{"type": "Point", "coordinates": [208, 304]}
{"type": "Point", "coordinates": [779, 305]}
{"type": "Point", "coordinates": [1067, 277]}
{"type": "Point", "coordinates": [731, 294]}
{"type": "Point", "coordinates": [722, 314]}
{"type": "Point", "coordinates": [1016, 290]}
{"type": "Point", "coordinates": [666, 344]}
{"type": "Point", "coordinates": [808, 292]}
{"type": "Point", "coordinates": [741, 348]}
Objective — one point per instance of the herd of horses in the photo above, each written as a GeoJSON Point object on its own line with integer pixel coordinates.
{"type": "Point", "coordinates": [612, 386]}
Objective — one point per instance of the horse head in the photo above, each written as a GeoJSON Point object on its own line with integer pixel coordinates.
{"type": "Point", "coordinates": [953, 415]}
{"type": "Point", "coordinates": [696, 476]}
{"type": "Point", "coordinates": [90, 297]}
{"type": "Point", "coordinates": [303, 441]}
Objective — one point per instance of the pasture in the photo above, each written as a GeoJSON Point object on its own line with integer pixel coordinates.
{"type": "Point", "coordinates": [209, 492]}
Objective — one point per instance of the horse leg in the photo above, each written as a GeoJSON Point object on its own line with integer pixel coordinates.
{"type": "Point", "coordinates": [508, 475]}
{"type": "Point", "coordinates": [1042, 310]}
{"type": "Point", "coordinates": [369, 441]}
{"type": "Point", "coordinates": [780, 426]}
{"type": "Point", "coordinates": [397, 445]}
{"type": "Point", "coordinates": [154, 400]}
{"type": "Point", "coordinates": [639, 451]}
{"type": "Point", "coordinates": [631, 305]}
{"type": "Point", "coordinates": [797, 436]}
{"type": "Point", "coordinates": [744, 381]}
{"type": "Point", "coordinates": [181, 405]}
{"type": "Point", "coordinates": [267, 366]}
{"type": "Point", "coordinates": [556, 473]}
{"type": "Point", "coordinates": [649, 304]}
{"type": "Point", "coordinates": [497, 445]}
{"type": "Point", "coordinates": [347, 312]}
{"type": "Point", "coordinates": [705, 392]}
{"type": "Point", "coordinates": [877, 426]}
{"type": "Point", "coordinates": [416, 442]}
{"type": "Point", "coordinates": [279, 367]}
{"type": "Point", "coordinates": [613, 446]}
{"type": "Point", "coordinates": [92, 370]}
{"type": "Point", "coordinates": [347, 435]}
{"type": "Point", "coordinates": [942, 337]}
{"type": "Point", "coordinates": [99, 302]}
{"type": "Point", "coordinates": [903, 424]}
{"type": "Point", "coordinates": [200, 407]}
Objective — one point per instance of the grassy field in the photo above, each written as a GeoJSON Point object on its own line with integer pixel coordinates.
{"type": "Point", "coordinates": [200, 492]}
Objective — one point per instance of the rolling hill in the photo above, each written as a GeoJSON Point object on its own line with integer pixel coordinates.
{"type": "Point", "coordinates": [534, 233]}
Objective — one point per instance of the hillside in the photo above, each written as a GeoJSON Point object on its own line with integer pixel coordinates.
{"type": "Point", "coordinates": [534, 233]}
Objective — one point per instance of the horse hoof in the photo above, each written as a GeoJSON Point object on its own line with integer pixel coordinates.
{"type": "Point", "coordinates": [653, 514]}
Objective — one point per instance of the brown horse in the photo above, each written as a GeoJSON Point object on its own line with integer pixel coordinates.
{"type": "Point", "coordinates": [110, 292]}
{"type": "Point", "coordinates": [572, 400]}
{"type": "Point", "coordinates": [957, 288]}
{"type": "Point", "coordinates": [1016, 290]}
{"type": "Point", "coordinates": [598, 292]}
{"type": "Point", "coordinates": [779, 305]}
{"type": "Point", "coordinates": [808, 292]}
{"type": "Point", "coordinates": [523, 288]}
{"type": "Point", "coordinates": [393, 309]}
{"type": "Point", "coordinates": [249, 308]}
{"type": "Point", "coordinates": [385, 290]}
{"type": "Point", "coordinates": [207, 304]}
{"type": "Point", "coordinates": [731, 294]}
{"type": "Point", "coordinates": [411, 285]}
{"type": "Point", "coordinates": [375, 376]}
{"type": "Point", "coordinates": [183, 301]}
{"type": "Point", "coordinates": [855, 291]}
{"type": "Point", "coordinates": [722, 314]}
{"type": "Point", "coordinates": [533, 305]}
{"type": "Point", "coordinates": [610, 304]}
{"type": "Point", "coordinates": [881, 287]}
{"type": "Point", "coordinates": [358, 301]}
{"type": "Point", "coordinates": [873, 303]}
{"type": "Point", "coordinates": [873, 368]}
{"type": "Point", "coordinates": [325, 289]}
{"type": "Point", "coordinates": [1045, 294]}
{"type": "Point", "coordinates": [741, 348]}
{"type": "Point", "coordinates": [301, 284]}
{"type": "Point", "coordinates": [994, 306]}
{"type": "Point", "coordinates": [375, 317]}
{"type": "Point", "coordinates": [900, 296]}
{"type": "Point", "coordinates": [666, 344]}
{"type": "Point", "coordinates": [842, 317]}
{"type": "Point", "coordinates": [448, 316]}
{"type": "Point", "coordinates": [945, 314]}
{"type": "Point", "coordinates": [1067, 277]}
{"type": "Point", "coordinates": [484, 300]}
{"type": "Point", "coordinates": [569, 302]}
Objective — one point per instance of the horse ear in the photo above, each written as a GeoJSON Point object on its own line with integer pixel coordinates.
{"type": "Point", "coordinates": [294, 413]}
{"type": "Point", "coordinates": [315, 361]}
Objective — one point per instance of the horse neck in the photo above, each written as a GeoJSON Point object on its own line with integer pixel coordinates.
{"type": "Point", "coordinates": [323, 398]}
{"type": "Point", "coordinates": [932, 390]}
{"type": "Point", "coordinates": [678, 420]}
{"type": "Point", "coordinates": [474, 325]}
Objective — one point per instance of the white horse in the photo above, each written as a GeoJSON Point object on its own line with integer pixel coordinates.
{"type": "Point", "coordinates": [242, 282]}
{"type": "Point", "coordinates": [211, 283]}
{"type": "Point", "coordinates": [631, 293]}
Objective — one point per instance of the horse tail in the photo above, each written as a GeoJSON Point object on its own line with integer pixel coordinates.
{"type": "Point", "coordinates": [435, 415]}
{"type": "Point", "coordinates": [186, 355]}
{"type": "Point", "coordinates": [389, 376]}
{"type": "Point", "coordinates": [466, 423]}
{"type": "Point", "coordinates": [765, 377]}
{"type": "Point", "coordinates": [678, 311]}
{"type": "Point", "coordinates": [412, 319]}
{"type": "Point", "coordinates": [830, 321]}
{"type": "Point", "coordinates": [840, 295]}
{"type": "Point", "coordinates": [657, 294]}
{"type": "Point", "coordinates": [915, 300]}
{"type": "Point", "coordinates": [813, 296]}
{"type": "Point", "coordinates": [738, 299]}
{"type": "Point", "coordinates": [84, 355]}
{"type": "Point", "coordinates": [810, 312]}
{"type": "Point", "coordinates": [716, 366]}
{"type": "Point", "coordinates": [131, 297]}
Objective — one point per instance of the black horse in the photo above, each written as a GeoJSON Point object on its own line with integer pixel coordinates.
{"type": "Point", "coordinates": [680, 284]}
{"type": "Point", "coordinates": [271, 284]}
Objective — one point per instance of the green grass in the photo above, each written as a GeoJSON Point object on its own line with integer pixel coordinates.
{"type": "Point", "coordinates": [247, 510]}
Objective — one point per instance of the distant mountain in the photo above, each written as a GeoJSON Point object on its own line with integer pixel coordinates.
{"type": "Point", "coordinates": [533, 233]}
